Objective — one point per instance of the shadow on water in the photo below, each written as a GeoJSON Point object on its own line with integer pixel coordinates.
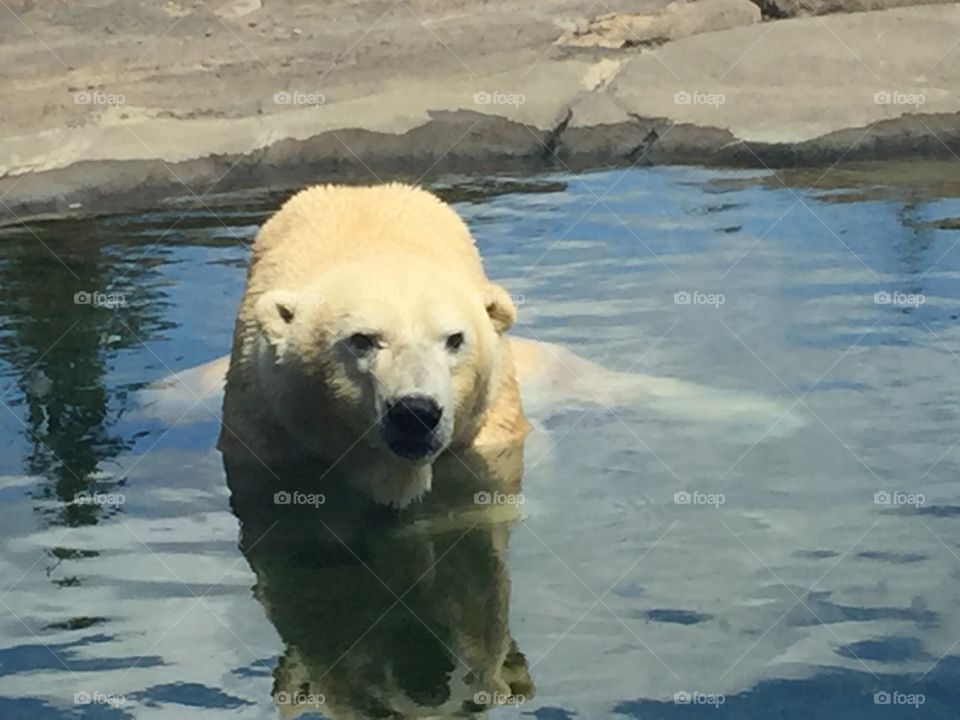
{"type": "Point", "coordinates": [859, 182]}
{"type": "Point", "coordinates": [68, 310]}
{"type": "Point", "coordinates": [384, 613]}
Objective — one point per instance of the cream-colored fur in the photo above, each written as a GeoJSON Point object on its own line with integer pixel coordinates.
{"type": "Point", "coordinates": [396, 261]}
{"type": "Point", "coordinates": [393, 263]}
{"type": "Point", "coordinates": [547, 374]}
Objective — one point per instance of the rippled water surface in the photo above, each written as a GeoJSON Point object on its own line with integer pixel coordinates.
{"type": "Point", "coordinates": [664, 566]}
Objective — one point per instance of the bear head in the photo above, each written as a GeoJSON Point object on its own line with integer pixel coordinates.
{"type": "Point", "coordinates": [399, 357]}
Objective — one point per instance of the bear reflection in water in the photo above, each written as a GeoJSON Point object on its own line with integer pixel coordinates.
{"type": "Point", "coordinates": [385, 613]}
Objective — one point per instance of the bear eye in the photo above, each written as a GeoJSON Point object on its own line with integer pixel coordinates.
{"type": "Point", "coordinates": [454, 341]}
{"type": "Point", "coordinates": [361, 343]}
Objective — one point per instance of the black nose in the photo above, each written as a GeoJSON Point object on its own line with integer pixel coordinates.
{"type": "Point", "coordinates": [414, 415]}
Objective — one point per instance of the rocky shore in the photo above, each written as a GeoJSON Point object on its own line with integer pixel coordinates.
{"type": "Point", "coordinates": [116, 106]}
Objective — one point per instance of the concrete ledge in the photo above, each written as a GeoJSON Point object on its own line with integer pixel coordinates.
{"type": "Point", "coordinates": [486, 145]}
{"type": "Point", "coordinates": [810, 91]}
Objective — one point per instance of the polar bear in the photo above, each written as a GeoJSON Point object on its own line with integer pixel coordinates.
{"type": "Point", "coordinates": [370, 337]}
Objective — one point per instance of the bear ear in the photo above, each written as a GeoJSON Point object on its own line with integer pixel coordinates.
{"type": "Point", "coordinates": [275, 311]}
{"type": "Point", "coordinates": [500, 308]}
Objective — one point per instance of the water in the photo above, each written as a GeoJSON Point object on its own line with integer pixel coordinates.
{"type": "Point", "coordinates": [813, 567]}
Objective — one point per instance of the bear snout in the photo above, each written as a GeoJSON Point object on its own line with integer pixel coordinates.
{"type": "Point", "coordinates": [414, 414]}
{"type": "Point", "coordinates": [410, 425]}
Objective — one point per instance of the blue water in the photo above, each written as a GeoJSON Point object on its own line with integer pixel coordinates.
{"type": "Point", "coordinates": [821, 582]}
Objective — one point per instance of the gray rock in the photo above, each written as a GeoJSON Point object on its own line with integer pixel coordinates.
{"type": "Point", "coordinates": [677, 20]}
{"type": "Point", "coordinates": [800, 8]}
